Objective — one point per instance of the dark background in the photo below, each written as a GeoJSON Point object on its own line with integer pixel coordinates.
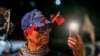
{"type": "Point", "coordinates": [20, 7]}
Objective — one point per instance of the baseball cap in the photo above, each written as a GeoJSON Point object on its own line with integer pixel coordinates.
{"type": "Point", "coordinates": [34, 17]}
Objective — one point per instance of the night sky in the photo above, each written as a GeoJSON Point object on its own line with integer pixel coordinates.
{"type": "Point", "coordinates": [20, 7]}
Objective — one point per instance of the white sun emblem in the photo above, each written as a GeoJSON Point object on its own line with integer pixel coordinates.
{"type": "Point", "coordinates": [37, 14]}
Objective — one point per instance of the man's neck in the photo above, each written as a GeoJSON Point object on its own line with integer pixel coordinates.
{"type": "Point", "coordinates": [33, 47]}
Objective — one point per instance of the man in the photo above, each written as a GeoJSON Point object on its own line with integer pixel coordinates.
{"type": "Point", "coordinates": [36, 29]}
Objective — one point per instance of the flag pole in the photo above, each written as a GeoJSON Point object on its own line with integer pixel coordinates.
{"type": "Point", "coordinates": [69, 32]}
{"type": "Point", "coordinates": [56, 16]}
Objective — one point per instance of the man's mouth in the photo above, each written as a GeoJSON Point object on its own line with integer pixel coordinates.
{"type": "Point", "coordinates": [44, 39]}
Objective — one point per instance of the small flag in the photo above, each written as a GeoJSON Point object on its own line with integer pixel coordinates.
{"type": "Point", "coordinates": [57, 18]}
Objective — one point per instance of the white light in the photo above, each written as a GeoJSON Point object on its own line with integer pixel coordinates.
{"type": "Point", "coordinates": [73, 26]}
{"type": "Point", "coordinates": [2, 42]}
{"type": "Point", "coordinates": [57, 2]}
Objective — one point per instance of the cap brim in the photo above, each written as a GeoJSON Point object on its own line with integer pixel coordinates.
{"type": "Point", "coordinates": [42, 24]}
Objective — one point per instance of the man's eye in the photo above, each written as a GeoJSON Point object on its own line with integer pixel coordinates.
{"type": "Point", "coordinates": [40, 28]}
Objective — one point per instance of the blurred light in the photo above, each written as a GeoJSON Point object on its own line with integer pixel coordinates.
{"type": "Point", "coordinates": [2, 42]}
{"type": "Point", "coordinates": [14, 45]}
{"type": "Point", "coordinates": [32, 3]}
{"type": "Point", "coordinates": [73, 26]}
{"type": "Point", "coordinates": [57, 2]}
{"type": "Point", "coordinates": [17, 44]}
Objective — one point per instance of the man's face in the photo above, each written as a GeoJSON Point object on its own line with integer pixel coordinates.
{"type": "Point", "coordinates": [40, 36]}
